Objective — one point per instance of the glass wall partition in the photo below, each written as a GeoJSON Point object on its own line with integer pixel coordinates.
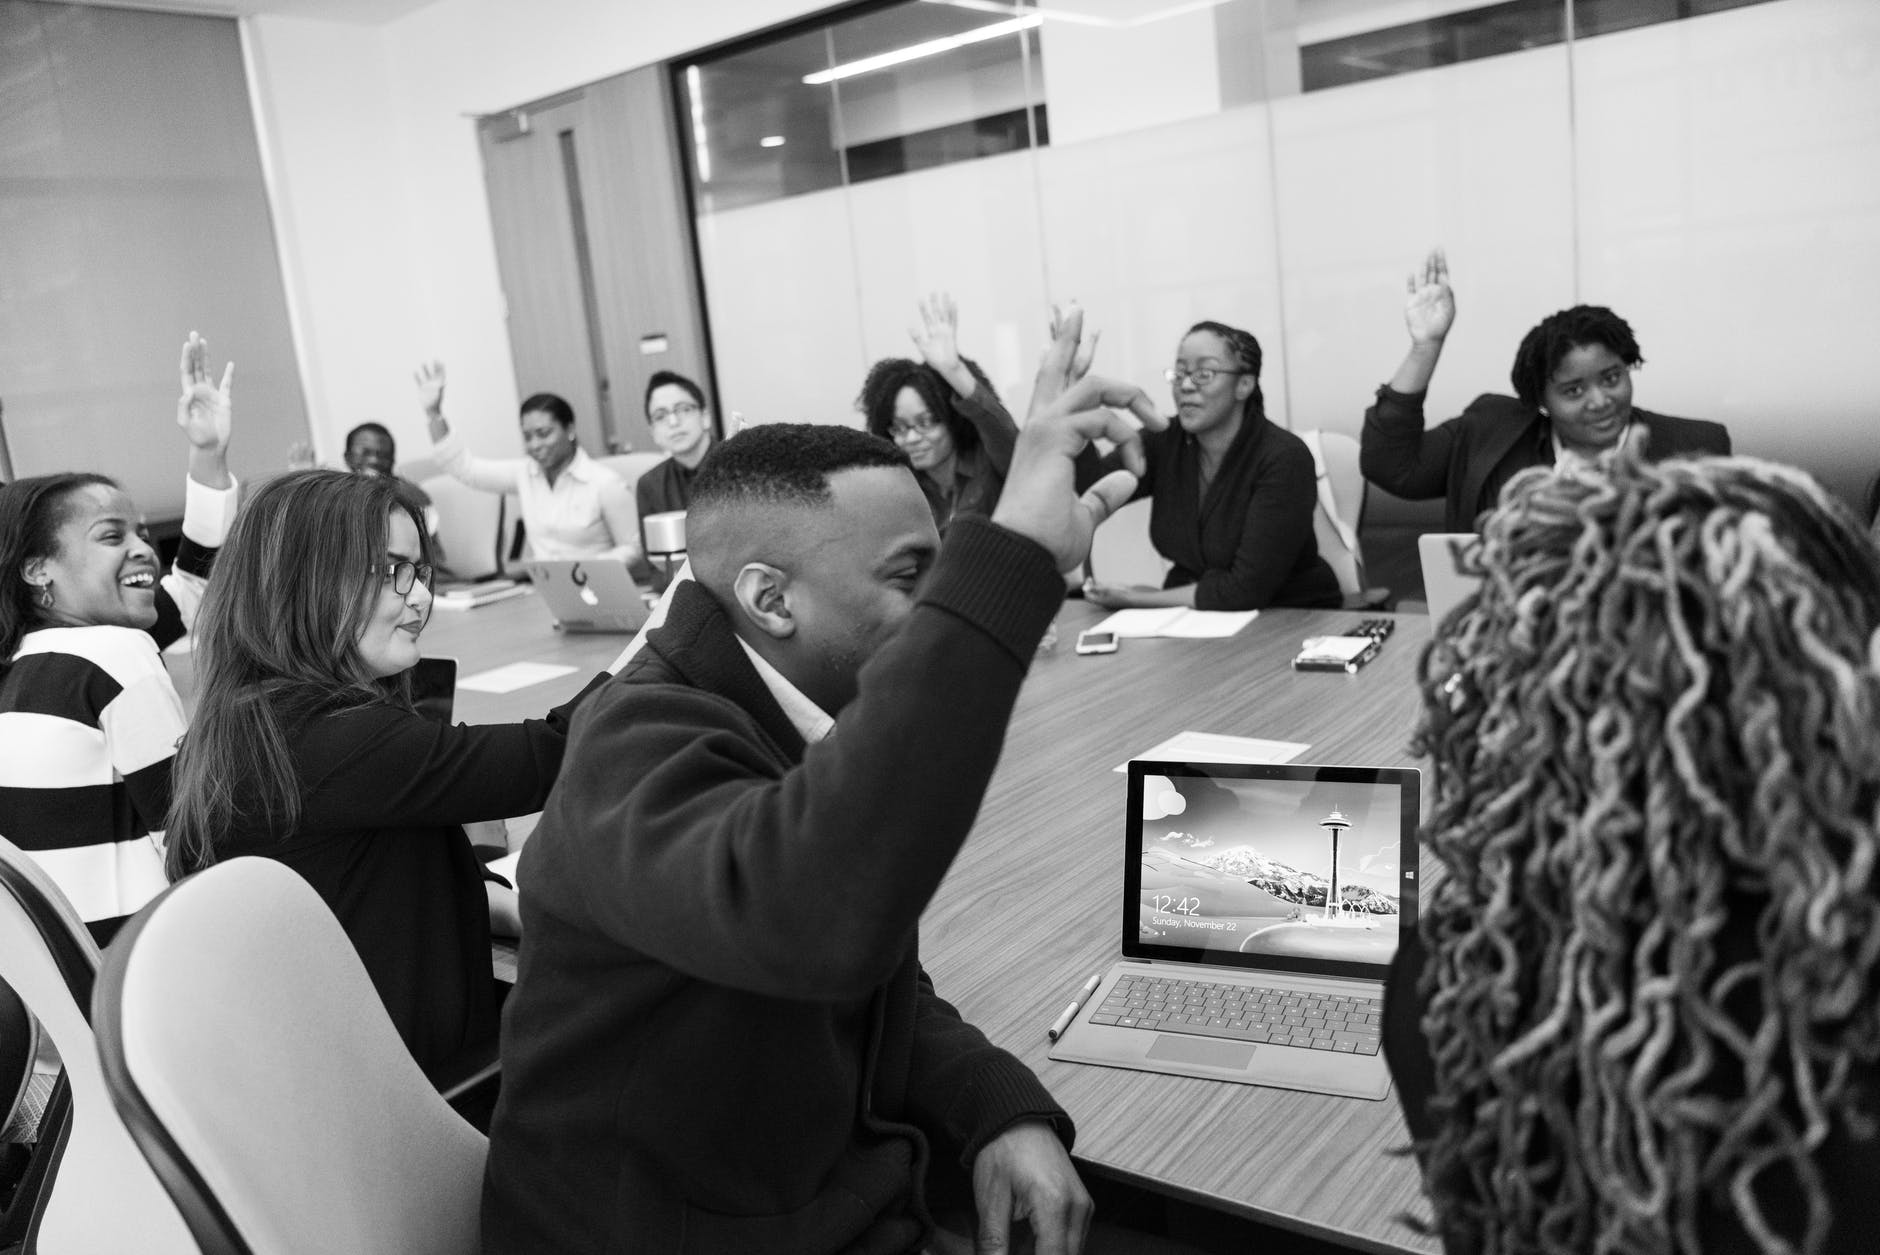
{"type": "Point", "coordinates": [1710, 168]}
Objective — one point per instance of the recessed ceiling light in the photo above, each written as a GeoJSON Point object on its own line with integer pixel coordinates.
{"type": "Point", "coordinates": [915, 52]}
{"type": "Point", "coordinates": [771, 141]}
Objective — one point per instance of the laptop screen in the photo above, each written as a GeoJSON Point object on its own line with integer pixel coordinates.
{"type": "Point", "coordinates": [1280, 867]}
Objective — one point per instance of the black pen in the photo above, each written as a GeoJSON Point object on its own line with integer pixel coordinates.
{"type": "Point", "coordinates": [1077, 1004]}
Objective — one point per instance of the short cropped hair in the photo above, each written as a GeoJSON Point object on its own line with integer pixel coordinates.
{"type": "Point", "coordinates": [1543, 348]}
{"type": "Point", "coordinates": [550, 404]}
{"type": "Point", "coordinates": [786, 463]}
{"type": "Point", "coordinates": [661, 378]}
{"type": "Point", "coordinates": [376, 429]}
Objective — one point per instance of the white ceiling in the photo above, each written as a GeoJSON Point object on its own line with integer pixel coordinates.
{"type": "Point", "coordinates": [354, 12]}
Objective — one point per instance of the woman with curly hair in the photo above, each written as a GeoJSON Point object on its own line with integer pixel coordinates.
{"type": "Point", "coordinates": [1572, 379]}
{"type": "Point", "coordinates": [943, 414]}
{"type": "Point", "coordinates": [1641, 1014]}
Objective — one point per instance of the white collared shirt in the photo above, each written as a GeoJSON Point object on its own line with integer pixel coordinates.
{"type": "Point", "coordinates": [586, 513]}
{"type": "Point", "coordinates": [809, 719]}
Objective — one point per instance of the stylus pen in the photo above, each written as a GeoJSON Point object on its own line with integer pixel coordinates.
{"type": "Point", "coordinates": [1077, 1004]}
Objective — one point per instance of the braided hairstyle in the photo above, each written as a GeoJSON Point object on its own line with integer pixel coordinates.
{"type": "Point", "coordinates": [1651, 986]}
{"type": "Point", "coordinates": [1553, 337]}
{"type": "Point", "coordinates": [1246, 351]}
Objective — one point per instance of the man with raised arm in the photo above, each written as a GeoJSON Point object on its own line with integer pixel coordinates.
{"type": "Point", "coordinates": [721, 1038]}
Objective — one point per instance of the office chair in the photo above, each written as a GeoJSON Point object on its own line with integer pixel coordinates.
{"type": "Point", "coordinates": [254, 1064]}
{"type": "Point", "coordinates": [1340, 510]}
{"type": "Point", "coordinates": [86, 1188]}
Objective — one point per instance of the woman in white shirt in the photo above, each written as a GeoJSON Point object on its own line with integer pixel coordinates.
{"type": "Point", "coordinates": [572, 506]}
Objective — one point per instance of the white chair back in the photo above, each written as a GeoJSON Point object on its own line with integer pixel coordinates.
{"type": "Point", "coordinates": [101, 1195]}
{"type": "Point", "coordinates": [257, 1069]}
{"type": "Point", "coordinates": [1341, 501]}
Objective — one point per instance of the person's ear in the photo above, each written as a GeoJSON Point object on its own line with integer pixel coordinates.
{"type": "Point", "coordinates": [759, 590]}
{"type": "Point", "coordinates": [1244, 386]}
{"type": "Point", "coordinates": [33, 571]}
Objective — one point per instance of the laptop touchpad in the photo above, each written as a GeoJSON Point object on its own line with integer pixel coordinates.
{"type": "Point", "coordinates": [1179, 1048]}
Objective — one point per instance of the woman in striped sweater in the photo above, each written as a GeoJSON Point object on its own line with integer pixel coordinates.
{"type": "Point", "coordinates": [88, 717]}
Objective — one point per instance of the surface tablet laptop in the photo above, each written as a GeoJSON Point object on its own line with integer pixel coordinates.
{"type": "Point", "coordinates": [1445, 584]}
{"type": "Point", "coordinates": [1261, 906]}
{"type": "Point", "coordinates": [589, 594]}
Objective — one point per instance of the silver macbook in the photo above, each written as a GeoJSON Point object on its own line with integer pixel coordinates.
{"type": "Point", "coordinates": [589, 594]}
{"type": "Point", "coordinates": [1261, 906]}
{"type": "Point", "coordinates": [1447, 579]}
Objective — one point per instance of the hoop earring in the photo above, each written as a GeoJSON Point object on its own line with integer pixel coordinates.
{"type": "Point", "coordinates": [45, 595]}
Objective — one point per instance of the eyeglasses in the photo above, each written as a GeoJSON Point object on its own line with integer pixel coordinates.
{"type": "Point", "coordinates": [925, 425]}
{"type": "Point", "coordinates": [403, 573]}
{"type": "Point", "coordinates": [684, 409]}
{"type": "Point", "coordinates": [1200, 376]}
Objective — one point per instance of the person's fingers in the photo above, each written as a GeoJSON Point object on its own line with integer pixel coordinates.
{"type": "Point", "coordinates": [994, 1234]}
{"type": "Point", "coordinates": [1085, 355]}
{"type": "Point", "coordinates": [1054, 366]}
{"type": "Point", "coordinates": [1095, 391]}
{"type": "Point", "coordinates": [1108, 495]}
{"type": "Point", "coordinates": [228, 379]}
{"type": "Point", "coordinates": [182, 361]}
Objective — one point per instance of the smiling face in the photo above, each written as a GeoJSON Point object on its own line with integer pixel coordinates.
{"type": "Point", "coordinates": [1589, 398]}
{"type": "Point", "coordinates": [681, 426]}
{"type": "Point", "coordinates": [1206, 407]}
{"type": "Point", "coordinates": [546, 441]}
{"type": "Point", "coordinates": [860, 564]}
{"type": "Point", "coordinates": [920, 433]}
{"type": "Point", "coordinates": [388, 639]}
{"type": "Point", "coordinates": [370, 452]}
{"type": "Point", "coordinates": [102, 570]}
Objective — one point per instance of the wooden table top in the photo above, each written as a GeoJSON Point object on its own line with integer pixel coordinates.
{"type": "Point", "coordinates": [1028, 912]}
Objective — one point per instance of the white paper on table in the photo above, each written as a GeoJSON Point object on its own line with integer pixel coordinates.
{"type": "Point", "coordinates": [1177, 621]}
{"type": "Point", "coordinates": [1212, 747]}
{"type": "Point", "coordinates": [516, 675]}
{"type": "Point", "coordinates": [1335, 648]}
{"type": "Point", "coordinates": [1204, 624]}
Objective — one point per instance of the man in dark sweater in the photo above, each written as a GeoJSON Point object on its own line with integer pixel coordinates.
{"type": "Point", "coordinates": [721, 1038]}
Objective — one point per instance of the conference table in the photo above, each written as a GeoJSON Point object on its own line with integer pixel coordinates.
{"type": "Point", "coordinates": [1030, 909]}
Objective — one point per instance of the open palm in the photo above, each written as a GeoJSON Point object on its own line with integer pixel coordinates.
{"type": "Point", "coordinates": [203, 411]}
{"type": "Point", "coordinates": [1431, 309]}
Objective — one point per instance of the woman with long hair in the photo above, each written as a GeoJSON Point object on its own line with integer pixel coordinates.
{"type": "Point", "coordinates": [1233, 491]}
{"type": "Point", "coordinates": [1572, 378]}
{"type": "Point", "coordinates": [88, 714]}
{"type": "Point", "coordinates": [305, 748]}
{"type": "Point", "coordinates": [943, 413]}
{"type": "Point", "coordinates": [1643, 1010]}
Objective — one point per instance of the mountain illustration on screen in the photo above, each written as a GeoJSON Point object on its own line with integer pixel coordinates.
{"type": "Point", "coordinates": [1288, 883]}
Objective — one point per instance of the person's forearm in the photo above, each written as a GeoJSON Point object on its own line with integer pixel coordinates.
{"type": "Point", "coordinates": [209, 467]}
{"type": "Point", "coordinates": [440, 426]}
{"type": "Point", "coordinates": [1148, 598]}
{"type": "Point", "coordinates": [960, 379]}
{"type": "Point", "coordinates": [1418, 366]}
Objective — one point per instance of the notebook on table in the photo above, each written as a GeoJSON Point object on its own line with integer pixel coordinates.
{"type": "Point", "coordinates": [589, 594]}
{"type": "Point", "coordinates": [1445, 584]}
{"type": "Point", "coordinates": [1261, 906]}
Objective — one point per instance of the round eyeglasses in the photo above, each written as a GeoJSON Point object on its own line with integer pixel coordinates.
{"type": "Point", "coordinates": [925, 425]}
{"type": "Point", "coordinates": [684, 409]}
{"type": "Point", "coordinates": [402, 574]}
{"type": "Point", "coordinates": [1200, 376]}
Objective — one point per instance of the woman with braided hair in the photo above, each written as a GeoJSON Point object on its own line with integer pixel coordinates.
{"type": "Point", "coordinates": [1572, 379]}
{"type": "Point", "coordinates": [1642, 1013]}
{"type": "Point", "coordinates": [1233, 491]}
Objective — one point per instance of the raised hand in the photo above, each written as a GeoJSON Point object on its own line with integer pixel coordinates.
{"type": "Point", "coordinates": [203, 411]}
{"type": "Point", "coordinates": [1066, 414]}
{"type": "Point", "coordinates": [937, 337]}
{"type": "Point", "coordinates": [1431, 309]}
{"type": "Point", "coordinates": [1086, 351]}
{"type": "Point", "coordinates": [430, 380]}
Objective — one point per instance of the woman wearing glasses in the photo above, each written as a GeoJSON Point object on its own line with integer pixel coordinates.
{"type": "Point", "coordinates": [1233, 492]}
{"type": "Point", "coordinates": [305, 748]}
{"type": "Point", "coordinates": [1572, 378]}
{"type": "Point", "coordinates": [681, 424]}
{"type": "Point", "coordinates": [942, 412]}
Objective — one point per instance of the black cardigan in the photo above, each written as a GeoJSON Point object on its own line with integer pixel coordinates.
{"type": "Point", "coordinates": [384, 794]}
{"type": "Point", "coordinates": [720, 1037]}
{"type": "Point", "coordinates": [1250, 544]}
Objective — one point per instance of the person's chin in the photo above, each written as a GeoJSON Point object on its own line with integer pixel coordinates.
{"type": "Point", "coordinates": [137, 608]}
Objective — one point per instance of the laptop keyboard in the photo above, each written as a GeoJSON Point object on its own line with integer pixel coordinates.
{"type": "Point", "coordinates": [1279, 1017]}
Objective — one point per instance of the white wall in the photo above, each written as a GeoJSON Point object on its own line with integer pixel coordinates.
{"type": "Point", "coordinates": [385, 229]}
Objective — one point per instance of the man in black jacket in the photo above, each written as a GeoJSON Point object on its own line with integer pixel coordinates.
{"type": "Point", "coordinates": [721, 1038]}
